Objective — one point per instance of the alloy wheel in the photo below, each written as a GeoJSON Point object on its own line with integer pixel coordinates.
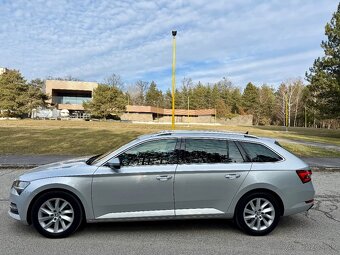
{"type": "Point", "coordinates": [259, 214]}
{"type": "Point", "coordinates": [56, 215]}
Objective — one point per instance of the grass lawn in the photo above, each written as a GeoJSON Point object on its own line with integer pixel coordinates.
{"type": "Point", "coordinates": [52, 137]}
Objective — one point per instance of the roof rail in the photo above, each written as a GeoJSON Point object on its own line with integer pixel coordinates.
{"type": "Point", "coordinates": [170, 132]}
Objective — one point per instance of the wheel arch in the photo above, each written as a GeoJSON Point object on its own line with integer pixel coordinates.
{"type": "Point", "coordinates": [263, 190]}
{"type": "Point", "coordinates": [36, 196]}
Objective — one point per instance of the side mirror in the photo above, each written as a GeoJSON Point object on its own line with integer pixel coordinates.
{"type": "Point", "coordinates": [114, 164]}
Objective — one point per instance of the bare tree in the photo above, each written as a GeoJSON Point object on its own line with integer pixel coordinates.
{"type": "Point", "coordinates": [186, 85]}
{"type": "Point", "coordinates": [281, 103]}
{"type": "Point", "coordinates": [289, 97]}
{"type": "Point", "coordinates": [298, 84]}
{"type": "Point", "coordinates": [114, 80]}
{"type": "Point", "coordinates": [137, 91]}
{"type": "Point", "coordinates": [65, 78]}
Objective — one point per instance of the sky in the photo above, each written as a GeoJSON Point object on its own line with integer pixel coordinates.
{"type": "Point", "coordinates": [262, 41]}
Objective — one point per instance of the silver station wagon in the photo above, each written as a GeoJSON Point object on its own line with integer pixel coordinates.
{"type": "Point", "coordinates": [168, 175]}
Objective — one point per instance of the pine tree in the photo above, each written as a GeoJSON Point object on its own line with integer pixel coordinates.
{"type": "Point", "coordinates": [106, 101]}
{"type": "Point", "coordinates": [13, 96]}
{"type": "Point", "coordinates": [250, 101]}
{"type": "Point", "coordinates": [154, 96]}
{"type": "Point", "coordinates": [324, 76]}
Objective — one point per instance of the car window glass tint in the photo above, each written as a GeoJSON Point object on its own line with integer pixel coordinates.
{"type": "Point", "coordinates": [150, 153]}
{"type": "Point", "coordinates": [234, 153]}
{"type": "Point", "coordinates": [210, 151]}
{"type": "Point", "coordinates": [260, 153]}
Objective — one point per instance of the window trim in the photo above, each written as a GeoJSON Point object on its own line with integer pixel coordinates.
{"type": "Point", "coordinates": [265, 145]}
{"type": "Point", "coordinates": [178, 140]}
{"type": "Point", "coordinates": [183, 147]}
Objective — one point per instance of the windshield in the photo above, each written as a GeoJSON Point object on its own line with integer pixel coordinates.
{"type": "Point", "coordinates": [93, 160]}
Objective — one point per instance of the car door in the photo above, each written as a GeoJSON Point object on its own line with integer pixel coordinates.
{"type": "Point", "coordinates": [209, 173]}
{"type": "Point", "coordinates": [142, 187]}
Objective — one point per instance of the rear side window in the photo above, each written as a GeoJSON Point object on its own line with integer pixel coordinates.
{"type": "Point", "coordinates": [210, 151]}
{"type": "Point", "coordinates": [260, 153]}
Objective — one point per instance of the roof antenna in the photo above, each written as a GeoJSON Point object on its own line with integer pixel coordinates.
{"type": "Point", "coordinates": [247, 133]}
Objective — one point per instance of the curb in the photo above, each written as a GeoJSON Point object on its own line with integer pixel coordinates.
{"type": "Point", "coordinates": [11, 166]}
{"type": "Point", "coordinates": [325, 169]}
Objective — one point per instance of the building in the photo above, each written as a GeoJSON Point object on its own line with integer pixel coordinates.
{"type": "Point", "coordinates": [69, 95]}
{"type": "Point", "coordinates": [154, 114]}
{"type": "Point", "coordinates": [66, 100]}
{"type": "Point", "coordinates": [2, 70]}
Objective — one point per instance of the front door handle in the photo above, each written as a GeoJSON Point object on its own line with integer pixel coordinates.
{"type": "Point", "coordinates": [163, 177]}
{"type": "Point", "coordinates": [232, 176]}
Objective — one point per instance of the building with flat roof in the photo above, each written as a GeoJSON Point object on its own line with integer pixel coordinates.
{"type": "Point", "coordinates": [155, 114]}
{"type": "Point", "coordinates": [69, 95]}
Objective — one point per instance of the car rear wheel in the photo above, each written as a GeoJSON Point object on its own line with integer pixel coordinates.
{"type": "Point", "coordinates": [257, 213]}
{"type": "Point", "coordinates": [56, 214]}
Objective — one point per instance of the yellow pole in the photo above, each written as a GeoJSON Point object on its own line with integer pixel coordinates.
{"type": "Point", "coordinates": [188, 110]}
{"type": "Point", "coordinates": [173, 78]}
{"type": "Point", "coordinates": [286, 112]}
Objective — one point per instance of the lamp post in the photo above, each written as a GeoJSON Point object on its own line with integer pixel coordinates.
{"type": "Point", "coordinates": [174, 33]}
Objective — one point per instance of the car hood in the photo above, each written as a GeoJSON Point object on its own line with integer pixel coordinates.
{"type": "Point", "coordinates": [72, 167]}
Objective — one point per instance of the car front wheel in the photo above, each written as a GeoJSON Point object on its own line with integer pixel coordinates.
{"type": "Point", "coordinates": [56, 214]}
{"type": "Point", "coordinates": [257, 214]}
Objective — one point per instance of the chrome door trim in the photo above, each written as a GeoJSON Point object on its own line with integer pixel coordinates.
{"type": "Point", "coordinates": [198, 211]}
{"type": "Point", "coordinates": [160, 213]}
{"type": "Point", "coordinates": [137, 214]}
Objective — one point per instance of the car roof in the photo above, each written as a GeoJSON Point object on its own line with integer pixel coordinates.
{"type": "Point", "coordinates": [198, 133]}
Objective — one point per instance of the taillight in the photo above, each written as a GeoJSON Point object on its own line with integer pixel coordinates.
{"type": "Point", "coordinates": [305, 175]}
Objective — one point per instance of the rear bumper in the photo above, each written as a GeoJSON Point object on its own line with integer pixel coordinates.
{"type": "Point", "coordinates": [298, 208]}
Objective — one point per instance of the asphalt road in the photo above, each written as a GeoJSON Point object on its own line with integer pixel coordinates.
{"type": "Point", "coordinates": [315, 232]}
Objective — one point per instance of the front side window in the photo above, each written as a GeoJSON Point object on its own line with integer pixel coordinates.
{"type": "Point", "coordinates": [210, 151]}
{"type": "Point", "coordinates": [157, 152]}
{"type": "Point", "coordinates": [260, 153]}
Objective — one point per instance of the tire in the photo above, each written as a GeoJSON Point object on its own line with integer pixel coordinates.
{"type": "Point", "coordinates": [254, 219]}
{"type": "Point", "coordinates": [56, 214]}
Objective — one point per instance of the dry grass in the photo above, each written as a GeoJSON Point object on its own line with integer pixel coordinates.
{"type": "Point", "coordinates": [85, 138]}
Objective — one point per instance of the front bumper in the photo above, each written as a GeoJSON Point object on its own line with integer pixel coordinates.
{"type": "Point", "coordinates": [18, 206]}
{"type": "Point", "coordinates": [14, 216]}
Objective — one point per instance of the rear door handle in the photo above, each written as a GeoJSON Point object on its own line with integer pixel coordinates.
{"type": "Point", "coordinates": [232, 176]}
{"type": "Point", "coordinates": [163, 177]}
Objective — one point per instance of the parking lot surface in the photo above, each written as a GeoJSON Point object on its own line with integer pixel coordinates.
{"type": "Point", "coordinates": [314, 232]}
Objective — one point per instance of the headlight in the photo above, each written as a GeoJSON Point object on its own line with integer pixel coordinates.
{"type": "Point", "coordinates": [19, 186]}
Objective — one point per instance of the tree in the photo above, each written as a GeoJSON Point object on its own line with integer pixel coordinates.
{"type": "Point", "coordinates": [187, 84]}
{"type": "Point", "coordinates": [140, 90]}
{"type": "Point", "coordinates": [324, 75]}
{"type": "Point", "coordinates": [106, 101]}
{"type": "Point", "coordinates": [153, 96]}
{"type": "Point", "coordinates": [12, 93]}
{"type": "Point", "coordinates": [114, 80]}
{"type": "Point", "coordinates": [299, 86]}
{"type": "Point", "coordinates": [236, 102]}
{"type": "Point", "coordinates": [65, 78]}
{"type": "Point", "coordinates": [198, 99]}
{"type": "Point", "coordinates": [266, 104]}
{"type": "Point", "coordinates": [250, 101]}
{"type": "Point", "coordinates": [167, 99]}
{"type": "Point", "coordinates": [35, 96]}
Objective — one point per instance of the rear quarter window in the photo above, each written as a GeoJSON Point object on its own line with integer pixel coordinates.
{"type": "Point", "coordinates": [260, 153]}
